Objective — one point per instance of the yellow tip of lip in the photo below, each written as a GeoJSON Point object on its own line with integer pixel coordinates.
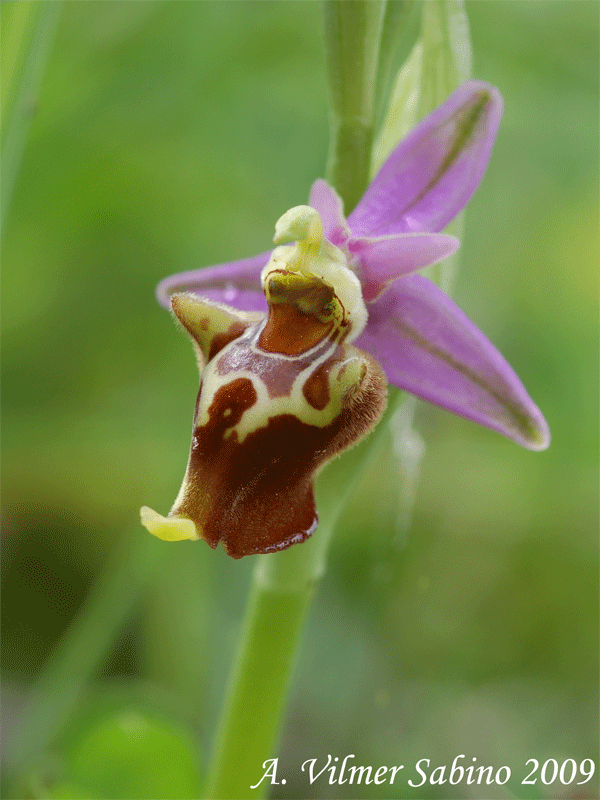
{"type": "Point", "coordinates": [169, 529]}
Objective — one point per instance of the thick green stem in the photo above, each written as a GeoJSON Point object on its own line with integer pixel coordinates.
{"type": "Point", "coordinates": [352, 37]}
{"type": "Point", "coordinates": [254, 703]}
{"type": "Point", "coordinates": [283, 585]}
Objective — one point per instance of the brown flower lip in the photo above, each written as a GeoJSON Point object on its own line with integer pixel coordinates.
{"type": "Point", "coordinates": [279, 397]}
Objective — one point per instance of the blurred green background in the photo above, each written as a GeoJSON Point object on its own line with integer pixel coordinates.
{"type": "Point", "coordinates": [171, 135]}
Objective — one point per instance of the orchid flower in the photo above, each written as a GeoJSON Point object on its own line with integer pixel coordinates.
{"type": "Point", "coordinates": [289, 342]}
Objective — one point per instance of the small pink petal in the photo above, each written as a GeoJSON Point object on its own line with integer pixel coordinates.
{"type": "Point", "coordinates": [383, 259]}
{"type": "Point", "coordinates": [325, 200]}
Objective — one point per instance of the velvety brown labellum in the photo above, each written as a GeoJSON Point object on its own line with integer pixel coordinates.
{"type": "Point", "coordinates": [256, 496]}
{"type": "Point", "coordinates": [279, 397]}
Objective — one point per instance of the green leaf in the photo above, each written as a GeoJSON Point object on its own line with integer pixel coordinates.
{"type": "Point", "coordinates": [28, 30]}
{"type": "Point", "coordinates": [439, 63]}
{"type": "Point", "coordinates": [446, 64]}
{"type": "Point", "coordinates": [67, 790]}
{"type": "Point", "coordinates": [446, 52]}
{"type": "Point", "coordinates": [132, 754]}
{"type": "Point", "coordinates": [401, 24]}
{"type": "Point", "coordinates": [401, 113]}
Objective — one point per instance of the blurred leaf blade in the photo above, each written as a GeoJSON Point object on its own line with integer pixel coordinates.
{"type": "Point", "coordinates": [31, 27]}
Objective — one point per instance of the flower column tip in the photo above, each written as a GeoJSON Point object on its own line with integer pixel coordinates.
{"type": "Point", "coordinates": [301, 223]}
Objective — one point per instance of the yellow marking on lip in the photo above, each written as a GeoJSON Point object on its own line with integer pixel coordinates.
{"type": "Point", "coordinates": [211, 325]}
{"type": "Point", "coordinates": [169, 529]}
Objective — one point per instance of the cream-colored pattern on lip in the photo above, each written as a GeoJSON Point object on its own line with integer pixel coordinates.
{"type": "Point", "coordinates": [294, 402]}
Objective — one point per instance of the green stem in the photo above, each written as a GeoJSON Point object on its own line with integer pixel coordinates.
{"type": "Point", "coordinates": [262, 672]}
{"type": "Point", "coordinates": [80, 653]}
{"type": "Point", "coordinates": [30, 30]}
{"type": "Point", "coordinates": [352, 36]}
{"type": "Point", "coordinates": [283, 585]}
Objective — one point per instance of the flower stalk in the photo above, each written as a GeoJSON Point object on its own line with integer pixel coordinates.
{"type": "Point", "coordinates": [425, 343]}
{"type": "Point", "coordinates": [284, 583]}
{"type": "Point", "coordinates": [353, 31]}
{"type": "Point", "coordinates": [260, 678]}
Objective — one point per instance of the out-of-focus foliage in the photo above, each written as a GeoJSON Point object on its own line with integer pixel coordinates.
{"type": "Point", "coordinates": [130, 754]}
{"type": "Point", "coordinates": [168, 135]}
